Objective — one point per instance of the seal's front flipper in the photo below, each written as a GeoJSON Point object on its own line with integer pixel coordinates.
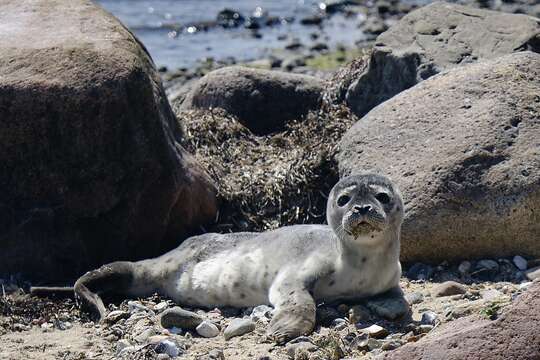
{"type": "Point", "coordinates": [115, 278]}
{"type": "Point", "coordinates": [295, 311]}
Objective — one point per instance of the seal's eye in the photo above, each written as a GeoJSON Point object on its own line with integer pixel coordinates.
{"type": "Point", "coordinates": [343, 200]}
{"type": "Point", "coordinates": [383, 198]}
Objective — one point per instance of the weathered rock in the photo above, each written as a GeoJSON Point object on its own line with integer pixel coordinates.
{"type": "Point", "coordinates": [91, 166]}
{"type": "Point", "coordinates": [263, 100]}
{"type": "Point", "coordinates": [180, 318]}
{"type": "Point", "coordinates": [448, 288]}
{"type": "Point", "coordinates": [294, 349]}
{"type": "Point", "coordinates": [375, 331]}
{"type": "Point", "coordinates": [464, 148]}
{"type": "Point", "coordinates": [520, 262]}
{"type": "Point", "coordinates": [389, 307]}
{"type": "Point", "coordinates": [238, 327]}
{"type": "Point", "coordinates": [513, 335]}
{"type": "Point", "coordinates": [435, 38]}
{"type": "Point", "coordinates": [533, 273]}
{"type": "Point", "coordinates": [207, 329]}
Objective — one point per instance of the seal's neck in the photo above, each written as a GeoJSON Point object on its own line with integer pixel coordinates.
{"type": "Point", "coordinates": [384, 249]}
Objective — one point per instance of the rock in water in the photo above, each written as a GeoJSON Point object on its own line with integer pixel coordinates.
{"type": "Point", "coordinates": [92, 169]}
{"type": "Point", "coordinates": [239, 327]}
{"type": "Point", "coordinates": [263, 100]}
{"type": "Point", "coordinates": [434, 38]}
{"type": "Point", "coordinates": [180, 318]}
{"type": "Point", "coordinates": [477, 193]}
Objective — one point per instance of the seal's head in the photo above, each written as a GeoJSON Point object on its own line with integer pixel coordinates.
{"type": "Point", "coordinates": [361, 207]}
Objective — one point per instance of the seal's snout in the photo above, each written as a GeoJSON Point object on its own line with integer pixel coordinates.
{"type": "Point", "coordinates": [362, 209]}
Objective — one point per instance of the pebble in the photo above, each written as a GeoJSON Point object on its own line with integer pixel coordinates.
{"type": "Point", "coordinates": [162, 306]}
{"type": "Point", "coordinates": [167, 347]}
{"type": "Point", "coordinates": [135, 306]}
{"type": "Point", "coordinates": [47, 327]}
{"type": "Point", "coordinates": [420, 271]}
{"type": "Point", "coordinates": [429, 318]}
{"type": "Point", "coordinates": [490, 265]}
{"type": "Point", "coordinates": [180, 318]}
{"type": "Point", "coordinates": [207, 329]}
{"type": "Point", "coordinates": [293, 349]}
{"type": "Point", "coordinates": [239, 327]}
{"type": "Point", "coordinates": [216, 354]}
{"type": "Point", "coordinates": [115, 316]}
{"type": "Point", "coordinates": [369, 344]}
{"type": "Point", "coordinates": [464, 267]}
{"type": "Point", "coordinates": [261, 312]}
{"type": "Point", "coordinates": [520, 262]}
{"type": "Point", "coordinates": [449, 288]}
{"type": "Point", "coordinates": [162, 357]}
{"type": "Point", "coordinates": [358, 313]}
{"type": "Point", "coordinates": [533, 273]}
{"type": "Point", "coordinates": [391, 345]}
{"type": "Point", "coordinates": [424, 329]}
{"type": "Point", "coordinates": [375, 331]}
{"type": "Point", "coordinates": [414, 298]}
{"type": "Point", "coordinates": [121, 345]}
{"type": "Point", "coordinates": [491, 294]}
{"type": "Point", "coordinates": [390, 308]}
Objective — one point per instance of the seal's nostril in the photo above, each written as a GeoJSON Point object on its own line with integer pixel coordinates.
{"type": "Point", "coordinates": [362, 209]}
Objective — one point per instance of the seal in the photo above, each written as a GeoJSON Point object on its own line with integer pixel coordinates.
{"type": "Point", "coordinates": [292, 268]}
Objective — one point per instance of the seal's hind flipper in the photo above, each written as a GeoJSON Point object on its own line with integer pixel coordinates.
{"type": "Point", "coordinates": [59, 292]}
{"type": "Point", "coordinates": [115, 278]}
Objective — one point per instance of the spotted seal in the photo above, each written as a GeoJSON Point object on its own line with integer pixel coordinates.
{"type": "Point", "coordinates": [292, 268]}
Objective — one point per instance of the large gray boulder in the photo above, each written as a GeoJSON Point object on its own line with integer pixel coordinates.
{"type": "Point", "coordinates": [513, 336]}
{"type": "Point", "coordinates": [464, 147]}
{"type": "Point", "coordinates": [91, 170]}
{"type": "Point", "coordinates": [263, 100]}
{"type": "Point", "coordinates": [434, 38]}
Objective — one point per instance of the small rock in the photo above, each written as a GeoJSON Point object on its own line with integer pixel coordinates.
{"type": "Point", "coordinates": [520, 262]}
{"type": "Point", "coordinates": [293, 349]}
{"type": "Point", "coordinates": [167, 347]}
{"type": "Point", "coordinates": [449, 288]}
{"type": "Point", "coordinates": [207, 329]}
{"type": "Point", "coordinates": [47, 327]}
{"type": "Point", "coordinates": [339, 324]}
{"type": "Point", "coordinates": [429, 318]}
{"type": "Point", "coordinates": [533, 273]}
{"type": "Point", "coordinates": [238, 327]}
{"type": "Point", "coordinates": [114, 316]}
{"type": "Point", "coordinates": [261, 312]}
{"type": "Point", "coordinates": [464, 267]}
{"type": "Point", "coordinates": [369, 344]}
{"type": "Point", "coordinates": [135, 306]}
{"type": "Point", "coordinates": [390, 308]}
{"type": "Point", "coordinates": [358, 313]}
{"type": "Point", "coordinates": [424, 329]}
{"type": "Point", "coordinates": [162, 357]}
{"type": "Point", "coordinates": [142, 338]}
{"type": "Point", "coordinates": [180, 318]}
{"type": "Point", "coordinates": [491, 294]}
{"type": "Point", "coordinates": [524, 285]}
{"type": "Point", "coordinates": [414, 298]}
{"type": "Point", "coordinates": [375, 331]}
{"type": "Point", "coordinates": [420, 271]}
{"type": "Point", "coordinates": [216, 354]}
{"type": "Point", "coordinates": [161, 307]}
{"type": "Point", "coordinates": [121, 345]}
{"type": "Point", "coordinates": [490, 265]}
{"type": "Point", "coordinates": [391, 345]}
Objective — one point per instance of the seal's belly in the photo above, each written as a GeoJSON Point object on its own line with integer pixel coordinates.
{"type": "Point", "coordinates": [232, 278]}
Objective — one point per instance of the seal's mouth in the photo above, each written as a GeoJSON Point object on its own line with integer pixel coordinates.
{"type": "Point", "coordinates": [357, 225]}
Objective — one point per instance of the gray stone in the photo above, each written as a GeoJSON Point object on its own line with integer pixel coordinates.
{"type": "Point", "coordinates": [520, 262]}
{"type": "Point", "coordinates": [238, 327]}
{"type": "Point", "coordinates": [121, 345]}
{"type": "Point", "coordinates": [90, 148]}
{"type": "Point", "coordinates": [473, 196]}
{"type": "Point", "coordinates": [435, 38]}
{"type": "Point", "coordinates": [263, 100]}
{"type": "Point", "coordinates": [464, 267]}
{"type": "Point", "coordinates": [167, 347]}
{"type": "Point", "coordinates": [425, 328]}
{"type": "Point", "coordinates": [533, 274]}
{"type": "Point", "coordinates": [216, 354]}
{"type": "Point", "coordinates": [375, 331]}
{"type": "Point", "coordinates": [261, 312]}
{"type": "Point", "coordinates": [390, 308]}
{"type": "Point", "coordinates": [429, 318]}
{"type": "Point", "coordinates": [294, 349]}
{"type": "Point", "coordinates": [180, 318]}
{"type": "Point", "coordinates": [414, 298]}
{"type": "Point", "coordinates": [207, 329]}
{"type": "Point", "coordinates": [448, 288]}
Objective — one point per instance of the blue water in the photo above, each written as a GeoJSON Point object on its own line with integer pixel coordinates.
{"type": "Point", "coordinates": [154, 21]}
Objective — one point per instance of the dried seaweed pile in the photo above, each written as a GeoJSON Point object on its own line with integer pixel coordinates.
{"type": "Point", "coordinates": [268, 181]}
